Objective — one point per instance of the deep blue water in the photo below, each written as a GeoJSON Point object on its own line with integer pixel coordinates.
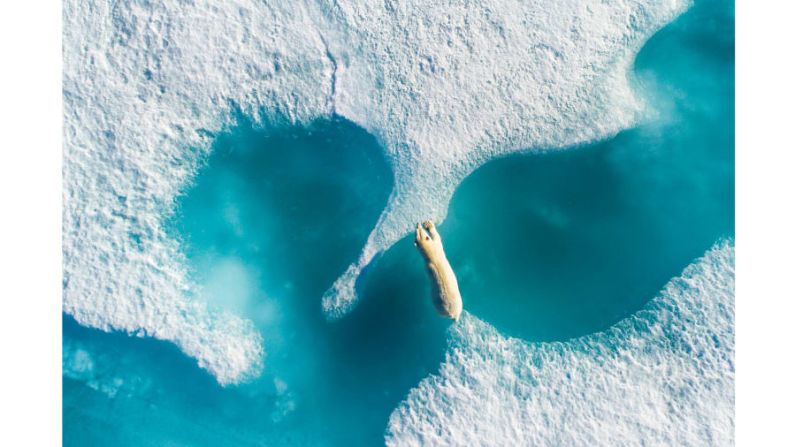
{"type": "Point", "coordinates": [546, 247]}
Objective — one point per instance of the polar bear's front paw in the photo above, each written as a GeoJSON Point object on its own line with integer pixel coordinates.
{"type": "Point", "coordinates": [421, 236]}
{"type": "Point", "coordinates": [428, 225]}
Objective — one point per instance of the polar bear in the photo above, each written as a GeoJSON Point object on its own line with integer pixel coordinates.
{"type": "Point", "coordinates": [445, 294]}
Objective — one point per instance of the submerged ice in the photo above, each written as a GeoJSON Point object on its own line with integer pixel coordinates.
{"type": "Point", "coordinates": [443, 87]}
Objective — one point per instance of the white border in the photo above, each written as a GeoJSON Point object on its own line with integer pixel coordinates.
{"type": "Point", "coordinates": [765, 168]}
{"type": "Point", "coordinates": [30, 228]}
{"type": "Point", "coordinates": [30, 223]}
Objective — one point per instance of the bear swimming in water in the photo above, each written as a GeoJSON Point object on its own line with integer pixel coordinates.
{"type": "Point", "coordinates": [445, 294]}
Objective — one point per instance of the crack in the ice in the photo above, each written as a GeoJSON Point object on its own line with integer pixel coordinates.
{"type": "Point", "coordinates": [333, 60]}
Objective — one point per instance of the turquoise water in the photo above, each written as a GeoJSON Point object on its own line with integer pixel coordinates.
{"type": "Point", "coordinates": [546, 247]}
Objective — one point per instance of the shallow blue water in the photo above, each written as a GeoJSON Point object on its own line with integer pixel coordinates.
{"type": "Point", "coordinates": [546, 247]}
